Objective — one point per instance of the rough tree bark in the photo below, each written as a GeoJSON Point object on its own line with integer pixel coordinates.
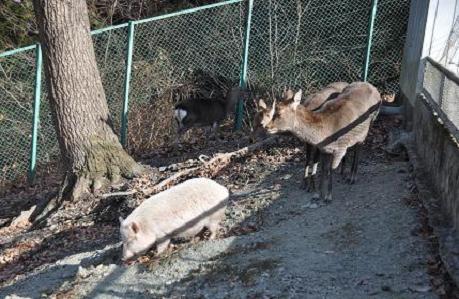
{"type": "Point", "coordinates": [91, 152]}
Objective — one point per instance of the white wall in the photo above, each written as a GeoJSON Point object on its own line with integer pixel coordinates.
{"type": "Point", "coordinates": [410, 71]}
{"type": "Point", "coordinates": [441, 18]}
{"type": "Point", "coordinates": [429, 30]}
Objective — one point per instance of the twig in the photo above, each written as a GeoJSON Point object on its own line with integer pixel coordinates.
{"type": "Point", "coordinates": [169, 180]}
{"type": "Point", "coordinates": [123, 193]}
{"type": "Point", "coordinates": [215, 164]}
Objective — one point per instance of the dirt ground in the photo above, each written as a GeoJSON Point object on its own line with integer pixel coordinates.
{"type": "Point", "coordinates": [276, 242]}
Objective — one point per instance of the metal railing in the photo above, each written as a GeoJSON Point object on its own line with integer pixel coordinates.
{"type": "Point", "coordinates": [269, 43]}
{"type": "Point", "coordinates": [441, 88]}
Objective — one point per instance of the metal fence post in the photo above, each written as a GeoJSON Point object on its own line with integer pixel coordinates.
{"type": "Point", "coordinates": [244, 66]}
{"type": "Point", "coordinates": [36, 114]}
{"type": "Point", "coordinates": [371, 25]}
{"type": "Point", "coordinates": [127, 80]}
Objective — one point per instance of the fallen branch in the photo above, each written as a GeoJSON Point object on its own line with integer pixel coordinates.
{"type": "Point", "coordinates": [213, 166]}
{"type": "Point", "coordinates": [124, 193]}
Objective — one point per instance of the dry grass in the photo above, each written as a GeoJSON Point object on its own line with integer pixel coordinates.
{"type": "Point", "coordinates": [151, 121]}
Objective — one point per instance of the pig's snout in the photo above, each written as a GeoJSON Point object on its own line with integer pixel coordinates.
{"type": "Point", "coordinates": [127, 255]}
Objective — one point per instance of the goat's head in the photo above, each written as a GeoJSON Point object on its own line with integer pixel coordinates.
{"type": "Point", "coordinates": [180, 116]}
{"type": "Point", "coordinates": [280, 117]}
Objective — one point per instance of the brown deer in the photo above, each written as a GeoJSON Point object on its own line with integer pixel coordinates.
{"type": "Point", "coordinates": [316, 100]}
{"type": "Point", "coordinates": [332, 128]}
{"type": "Point", "coordinates": [312, 102]}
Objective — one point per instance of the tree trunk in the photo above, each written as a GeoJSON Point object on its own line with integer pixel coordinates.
{"type": "Point", "coordinates": [90, 149]}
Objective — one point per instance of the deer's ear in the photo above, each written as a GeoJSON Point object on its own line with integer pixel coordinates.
{"type": "Point", "coordinates": [262, 104]}
{"type": "Point", "coordinates": [273, 110]}
{"type": "Point", "coordinates": [297, 99]}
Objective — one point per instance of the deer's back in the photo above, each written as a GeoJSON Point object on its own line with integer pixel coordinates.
{"type": "Point", "coordinates": [355, 100]}
{"type": "Point", "coordinates": [330, 92]}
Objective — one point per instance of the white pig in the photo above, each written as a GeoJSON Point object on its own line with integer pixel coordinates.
{"type": "Point", "coordinates": [182, 211]}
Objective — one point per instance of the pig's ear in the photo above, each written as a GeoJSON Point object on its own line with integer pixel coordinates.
{"type": "Point", "coordinates": [121, 219]}
{"type": "Point", "coordinates": [135, 227]}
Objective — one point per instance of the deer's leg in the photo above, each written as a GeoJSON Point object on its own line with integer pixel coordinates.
{"type": "Point", "coordinates": [315, 163]}
{"type": "Point", "coordinates": [308, 149]}
{"type": "Point", "coordinates": [177, 141]}
{"type": "Point", "coordinates": [355, 163]}
{"type": "Point", "coordinates": [324, 176]}
{"type": "Point", "coordinates": [328, 197]}
{"type": "Point", "coordinates": [215, 126]}
{"type": "Point", "coordinates": [343, 165]}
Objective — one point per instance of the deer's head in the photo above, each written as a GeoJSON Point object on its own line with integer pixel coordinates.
{"type": "Point", "coordinates": [280, 117]}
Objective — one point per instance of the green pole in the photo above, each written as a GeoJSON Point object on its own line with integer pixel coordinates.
{"type": "Point", "coordinates": [244, 66]}
{"type": "Point", "coordinates": [127, 80]}
{"type": "Point", "coordinates": [36, 114]}
{"type": "Point", "coordinates": [371, 25]}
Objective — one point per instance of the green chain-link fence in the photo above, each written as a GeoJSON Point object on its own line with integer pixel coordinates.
{"type": "Point", "coordinates": [305, 43]}
{"type": "Point", "coordinates": [17, 73]}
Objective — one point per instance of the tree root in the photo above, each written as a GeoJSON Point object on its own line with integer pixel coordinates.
{"type": "Point", "coordinates": [44, 209]}
{"type": "Point", "coordinates": [74, 187]}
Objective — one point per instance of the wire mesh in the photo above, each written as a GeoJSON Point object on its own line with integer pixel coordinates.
{"type": "Point", "coordinates": [312, 43]}
{"type": "Point", "coordinates": [16, 108]}
{"type": "Point", "coordinates": [167, 53]}
{"type": "Point", "coordinates": [307, 43]}
{"type": "Point", "coordinates": [388, 43]}
{"type": "Point", "coordinates": [302, 43]}
{"type": "Point", "coordinates": [442, 89]}
{"type": "Point", "coordinates": [110, 50]}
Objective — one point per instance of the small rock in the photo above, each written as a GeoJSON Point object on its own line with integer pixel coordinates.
{"type": "Point", "coordinates": [421, 289]}
{"type": "Point", "coordinates": [23, 219]}
{"type": "Point", "coordinates": [162, 169]}
{"type": "Point", "coordinates": [83, 272]}
{"type": "Point", "coordinates": [287, 177]}
{"type": "Point", "coordinates": [14, 296]}
{"type": "Point", "coordinates": [313, 206]}
{"type": "Point", "coordinates": [315, 196]}
{"type": "Point", "coordinates": [386, 288]}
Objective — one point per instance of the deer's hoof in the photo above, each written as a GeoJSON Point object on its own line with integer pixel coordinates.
{"type": "Point", "coordinates": [305, 185]}
{"type": "Point", "coordinates": [350, 181]}
{"type": "Point", "coordinates": [315, 197]}
{"type": "Point", "coordinates": [328, 198]}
